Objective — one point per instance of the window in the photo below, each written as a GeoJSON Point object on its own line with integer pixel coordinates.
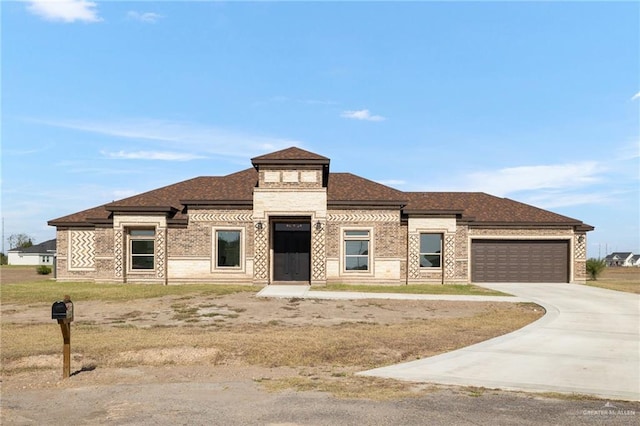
{"type": "Point", "coordinates": [430, 250]}
{"type": "Point", "coordinates": [356, 250]}
{"type": "Point", "coordinates": [228, 249]}
{"type": "Point", "coordinates": [142, 249]}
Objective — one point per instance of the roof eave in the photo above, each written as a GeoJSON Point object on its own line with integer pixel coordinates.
{"type": "Point", "coordinates": [577, 226]}
{"type": "Point", "coordinates": [141, 209]}
{"type": "Point", "coordinates": [366, 203]}
{"type": "Point", "coordinates": [216, 203]}
{"type": "Point", "coordinates": [78, 224]}
{"type": "Point", "coordinates": [431, 213]}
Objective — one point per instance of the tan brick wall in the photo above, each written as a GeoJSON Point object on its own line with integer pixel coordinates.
{"type": "Point", "coordinates": [388, 244]}
{"type": "Point", "coordinates": [447, 271]}
{"type": "Point", "coordinates": [195, 240]}
{"type": "Point", "coordinates": [311, 202]}
{"type": "Point", "coordinates": [104, 254]}
{"type": "Point", "coordinates": [190, 251]}
{"type": "Point", "coordinates": [290, 178]}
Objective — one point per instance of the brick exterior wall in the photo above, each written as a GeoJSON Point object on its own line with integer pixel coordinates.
{"type": "Point", "coordinates": [290, 178]}
{"type": "Point", "coordinates": [387, 245]}
{"type": "Point", "coordinates": [187, 254]}
{"type": "Point", "coordinates": [191, 251]}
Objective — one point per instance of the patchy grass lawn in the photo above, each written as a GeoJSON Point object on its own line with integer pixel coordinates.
{"type": "Point", "coordinates": [620, 279]}
{"type": "Point", "coordinates": [455, 289]}
{"type": "Point", "coordinates": [315, 345]}
{"type": "Point", "coordinates": [338, 350]}
{"type": "Point", "coordinates": [45, 291]}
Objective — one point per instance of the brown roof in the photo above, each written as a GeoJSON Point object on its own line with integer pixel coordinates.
{"type": "Point", "coordinates": [483, 208]}
{"type": "Point", "coordinates": [343, 190]}
{"type": "Point", "coordinates": [99, 214]}
{"type": "Point", "coordinates": [292, 156]}
{"type": "Point", "coordinates": [346, 188]}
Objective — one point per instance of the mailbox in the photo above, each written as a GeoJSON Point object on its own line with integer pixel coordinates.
{"type": "Point", "coordinates": [62, 310]}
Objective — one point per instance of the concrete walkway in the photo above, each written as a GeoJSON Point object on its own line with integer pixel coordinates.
{"type": "Point", "coordinates": [305, 292]}
{"type": "Point", "coordinates": [588, 343]}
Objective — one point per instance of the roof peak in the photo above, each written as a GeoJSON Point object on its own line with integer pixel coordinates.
{"type": "Point", "coordinates": [291, 155]}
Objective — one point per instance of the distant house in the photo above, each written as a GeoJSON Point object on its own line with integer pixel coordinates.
{"type": "Point", "coordinates": [619, 259]}
{"type": "Point", "coordinates": [635, 260]}
{"type": "Point", "coordinates": [40, 254]}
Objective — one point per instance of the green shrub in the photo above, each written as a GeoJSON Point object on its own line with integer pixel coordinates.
{"type": "Point", "coordinates": [43, 270]}
{"type": "Point", "coordinates": [595, 268]}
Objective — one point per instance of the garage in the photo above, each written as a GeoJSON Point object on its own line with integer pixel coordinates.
{"type": "Point", "coordinates": [520, 261]}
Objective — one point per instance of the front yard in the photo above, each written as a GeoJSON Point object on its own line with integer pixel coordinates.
{"type": "Point", "coordinates": [300, 343]}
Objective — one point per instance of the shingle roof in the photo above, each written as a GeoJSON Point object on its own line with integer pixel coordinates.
{"type": "Point", "coordinates": [349, 188]}
{"type": "Point", "coordinates": [343, 189]}
{"type": "Point", "coordinates": [291, 155]}
{"type": "Point", "coordinates": [44, 247]}
{"type": "Point", "coordinates": [622, 255]}
{"type": "Point", "coordinates": [481, 207]}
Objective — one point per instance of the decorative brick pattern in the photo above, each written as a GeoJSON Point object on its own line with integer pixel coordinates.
{"type": "Point", "coordinates": [82, 249]}
{"type": "Point", "coordinates": [580, 247]}
{"type": "Point", "coordinates": [449, 256]}
{"type": "Point", "coordinates": [414, 256]}
{"type": "Point", "coordinates": [364, 217]}
{"type": "Point", "coordinates": [521, 232]}
{"type": "Point", "coordinates": [319, 255]}
{"type": "Point", "coordinates": [161, 252]}
{"type": "Point", "coordinates": [461, 271]}
{"type": "Point", "coordinates": [261, 256]}
{"type": "Point", "coordinates": [118, 248]}
{"type": "Point", "coordinates": [221, 217]}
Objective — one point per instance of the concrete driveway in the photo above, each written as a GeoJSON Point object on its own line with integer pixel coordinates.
{"type": "Point", "coordinates": [587, 343]}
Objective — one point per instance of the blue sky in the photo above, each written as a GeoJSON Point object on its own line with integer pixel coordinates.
{"type": "Point", "coordinates": [534, 101]}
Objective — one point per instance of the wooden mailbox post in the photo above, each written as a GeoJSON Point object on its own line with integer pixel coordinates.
{"type": "Point", "coordinates": [63, 312]}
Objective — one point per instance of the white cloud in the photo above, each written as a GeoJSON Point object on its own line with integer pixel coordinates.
{"type": "Point", "coordinates": [529, 178]}
{"type": "Point", "coordinates": [194, 138]}
{"type": "Point", "coordinates": [545, 186]}
{"type": "Point", "coordinates": [65, 10]}
{"type": "Point", "coordinates": [556, 199]}
{"type": "Point", "coordinates": [636, 96]}
{"type": "Point", "coordinates": [147, 17]}
{"type": "Point", "coordinates": [151, 155]}
{"type": "Point", "coordinates": [362, 114]}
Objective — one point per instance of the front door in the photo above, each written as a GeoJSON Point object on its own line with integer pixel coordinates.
{"type": "Point", "coordinates": [291, 251]}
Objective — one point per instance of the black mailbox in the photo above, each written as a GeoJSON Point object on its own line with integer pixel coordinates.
{"type": "Point", "coordinates": [62, 310]}
{"type": "Point", "coordinates": [59, 310]}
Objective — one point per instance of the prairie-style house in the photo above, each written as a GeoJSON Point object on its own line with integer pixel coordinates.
{"type": "Point", "coordinates": [288, 219]}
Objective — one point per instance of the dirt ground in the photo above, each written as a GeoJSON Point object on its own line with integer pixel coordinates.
{"type": "Point", "coordinates": [180, 384]}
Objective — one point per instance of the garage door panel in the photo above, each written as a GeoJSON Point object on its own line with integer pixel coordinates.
{"type": "Point", "coordinates": [520, 261]}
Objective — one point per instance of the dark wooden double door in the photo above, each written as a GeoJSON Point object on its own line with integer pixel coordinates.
{"type": "Point", "coordinates": [291, 251]}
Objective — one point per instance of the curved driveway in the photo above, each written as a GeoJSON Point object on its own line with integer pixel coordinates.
{"type": "Point", "coordinates": [587, 343]}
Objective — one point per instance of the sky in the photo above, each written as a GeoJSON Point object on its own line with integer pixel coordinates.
{"type": "Point", "coordinates": [534, 101]}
